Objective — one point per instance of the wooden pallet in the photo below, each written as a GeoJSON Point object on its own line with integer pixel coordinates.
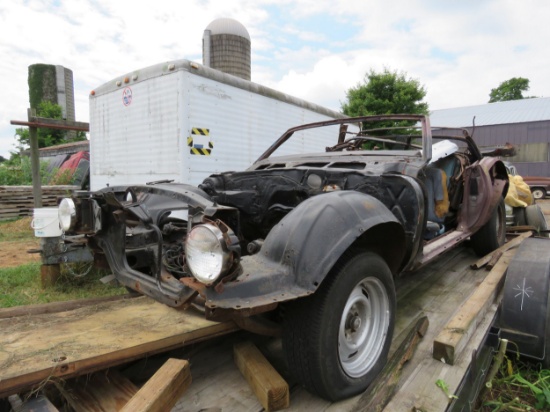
{"type": "Point", "coordinates": [18, 201]}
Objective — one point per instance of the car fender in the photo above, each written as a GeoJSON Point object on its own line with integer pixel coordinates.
{"type": "Point", "coordinates": [311, 238]}
{"type": "Point", "coordinates": [302, 248]}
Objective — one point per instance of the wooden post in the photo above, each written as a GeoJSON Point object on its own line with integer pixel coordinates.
{"type": "Point", "coordinates": [35, 162]}
{"type": "Point", "coordinates": [49, 275]}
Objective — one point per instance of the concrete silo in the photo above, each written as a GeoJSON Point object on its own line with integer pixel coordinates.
{"type": "Point", "coordinates": [54, 84]}
{"type": "Point", "coordinates": [226, 47]}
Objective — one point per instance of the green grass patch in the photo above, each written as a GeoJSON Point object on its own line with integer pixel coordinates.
{"type": "Point", "coordinates": [21, 285]}
{"type": "Point", "coordinates": [519, 386]}
{"type": "Point", "coordinates": [16, 229]}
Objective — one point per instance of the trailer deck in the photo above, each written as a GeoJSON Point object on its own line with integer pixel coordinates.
{"type": "Point", "coordinates": [42, 347]}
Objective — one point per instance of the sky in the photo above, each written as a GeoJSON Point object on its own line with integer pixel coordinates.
{"type": "Point", "coordinates": [312, 49]}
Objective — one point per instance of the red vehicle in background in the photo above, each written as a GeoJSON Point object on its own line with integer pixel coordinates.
{"type": "Point", "coordinates": [75, 170]}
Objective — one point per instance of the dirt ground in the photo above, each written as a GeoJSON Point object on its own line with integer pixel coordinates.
{"type": "Point", "coordinates": [16, 253]}
{"type": "Point", "coordinates": [16, 239]}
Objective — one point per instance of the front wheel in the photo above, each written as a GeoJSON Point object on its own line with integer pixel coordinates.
{"type": "Point", "coordinates": [337, 340]}
{"type": "Point", "coordinates": [492, 234]}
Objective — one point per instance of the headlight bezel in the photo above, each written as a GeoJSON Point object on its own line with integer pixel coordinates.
{"type": "Point", "coordinates": [222, 242]}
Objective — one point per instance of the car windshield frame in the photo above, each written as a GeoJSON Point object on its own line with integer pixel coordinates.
{"type": "Point", "coordinates": [422, 120]}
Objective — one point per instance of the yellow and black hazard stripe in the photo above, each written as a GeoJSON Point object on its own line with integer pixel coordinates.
{"type": "Point", "coordinates": [199, 150]}
{"type": "Point", "coordinates": [200, 131]}
{"type": "Point", "coordinates": [203, 152]}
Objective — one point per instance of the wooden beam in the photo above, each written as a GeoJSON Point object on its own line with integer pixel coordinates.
{"type": "Point", "coordinates": [102, 391]}
{"type": "Point", "coordinates": [453, 338]}
{"type": "Point", "coordinates": [381, 390]}
{"type": "Point", "coordinates": [163, 390]}
{"type": "Point", "coordinates": [270, 388]}
{"type": "Point", "coordinates": [37, 122]}
{"type": "Point", "coordinates": [55, 307]}
{"type": "Point", "coordinates": [508, 245]}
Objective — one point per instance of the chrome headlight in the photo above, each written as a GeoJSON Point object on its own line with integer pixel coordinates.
{"type": "Point", "coordinates": [67, 214]}
{"type": "Point", "coordinates": [207, 253]}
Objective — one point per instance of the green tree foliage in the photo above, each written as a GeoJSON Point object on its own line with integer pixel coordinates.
{"type": "Point", "coordinates": [509, 90]}
{"type": "Point", "coordinates": [386, 93]}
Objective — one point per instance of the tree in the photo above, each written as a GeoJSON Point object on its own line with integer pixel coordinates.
{"type": "Point", "coordinates": [386, 93]}
{"type": "Point", "coordinates": [509, 90]}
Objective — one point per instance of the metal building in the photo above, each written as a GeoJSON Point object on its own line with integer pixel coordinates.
{"type": "Point", "coordinates": [226, 47]}
{"type": "Point", "coordinates": [524, 123]}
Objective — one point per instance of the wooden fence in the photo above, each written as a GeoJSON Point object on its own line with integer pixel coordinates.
{"type": "Point", "coordinates": [18, 201]}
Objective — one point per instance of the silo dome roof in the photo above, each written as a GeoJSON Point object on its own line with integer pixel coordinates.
{"type": "Point", "coordinates": [228, 26]}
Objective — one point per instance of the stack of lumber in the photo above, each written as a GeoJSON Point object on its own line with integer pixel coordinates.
{"type": "Point", "coordinates": [18, 201]}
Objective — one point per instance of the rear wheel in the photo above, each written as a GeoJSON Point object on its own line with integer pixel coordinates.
{"type": "Point", "coordinates": [537, 193]}
{"type": "Point", "coordinates": [492, 235]}
{"type": "Point", "coordinates": [337, 340]}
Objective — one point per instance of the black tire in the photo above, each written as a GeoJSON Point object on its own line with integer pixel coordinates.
{"type": "Point", "coordinates": [534, 217]}
{"type": "Point", "coordinates": [337, 340]}
{"type": "Point", "coordinates": [524, 312]}
{"type": "Point", "coordinates": [538, 193]}
{"type": "Point", "coordinates": [492, 235]}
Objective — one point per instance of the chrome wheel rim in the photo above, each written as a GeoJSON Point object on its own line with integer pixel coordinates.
{"type": "Point", "coordinates": [363, 327]}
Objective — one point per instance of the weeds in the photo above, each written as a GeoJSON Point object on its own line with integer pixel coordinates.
{"type": "Point", "coordinates": [519, 386]}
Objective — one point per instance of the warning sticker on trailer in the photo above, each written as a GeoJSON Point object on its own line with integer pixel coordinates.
{"type": "Point", "coordinates": [127, 96]}
{"type": "Point", "coordinates": [199, 142]}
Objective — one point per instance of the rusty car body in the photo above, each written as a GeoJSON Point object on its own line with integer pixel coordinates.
{"type": "Point", "coordinates": [306, 246]}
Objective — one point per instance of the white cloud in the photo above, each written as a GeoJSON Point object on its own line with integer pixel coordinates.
{"type": "Point", "coordinates": [313, 49]}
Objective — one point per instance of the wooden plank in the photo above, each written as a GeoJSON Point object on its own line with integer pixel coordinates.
{"type": "Point", "coordinates": [163, 390]}
{"type": "Point", "coordinates": [418, 391]}
{"type": "Point", "coordinates": [270, 388]}
{"type": "Point", "coordinates": [455, 335]}
{"type": "Point", "coordinates": [378, 394]}
{"type": "Point", "coordinates": [38, 348]}
{"type": "Point", "coordinates": [101, 392]}
{"type": "Point", "coordinates": [54, 307]}
{"type": "Point", "coordinates": [498, 252]}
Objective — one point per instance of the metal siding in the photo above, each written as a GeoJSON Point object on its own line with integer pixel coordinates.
{"type": "Point", "coordinates": [242, 125]}
{"type": "Point", "coordinates": [138, 142]}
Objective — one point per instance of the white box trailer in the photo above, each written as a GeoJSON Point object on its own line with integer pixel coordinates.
{"type": "Point", "coordinates": [183, 121]}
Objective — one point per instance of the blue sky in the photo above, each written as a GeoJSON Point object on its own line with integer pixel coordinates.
{"type": "Point", "coordinates": [312, 49]}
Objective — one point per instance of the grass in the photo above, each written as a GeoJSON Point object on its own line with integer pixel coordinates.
{"type": "Point", "coordinates": [18, 229]}
{"type": "Point", "coordinates": [21, 285]}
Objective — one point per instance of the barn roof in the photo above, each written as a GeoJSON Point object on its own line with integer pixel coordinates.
{"type": "Point", "coordinates": [513, 111]}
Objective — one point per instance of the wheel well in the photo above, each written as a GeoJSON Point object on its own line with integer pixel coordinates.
{"type": "Point", "coordinates": [387, 240]}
